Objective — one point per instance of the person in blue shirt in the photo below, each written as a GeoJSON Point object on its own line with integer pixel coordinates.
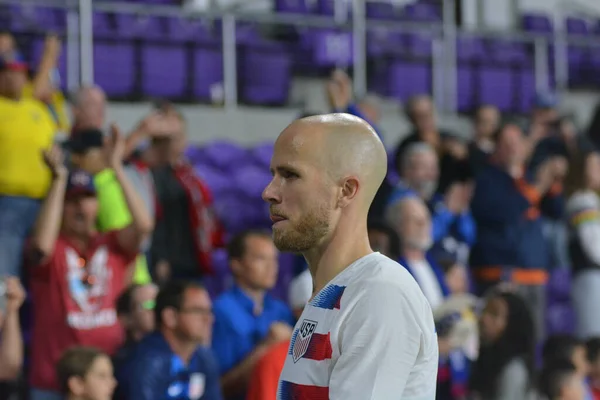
{"type": "Point", "coordinates": [174, 362]}
{"type": "Point", "coordinates": [247, 319]}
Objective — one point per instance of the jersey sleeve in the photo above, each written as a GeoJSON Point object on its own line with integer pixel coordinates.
{"type": "Point", "coordinates": [380, 339]}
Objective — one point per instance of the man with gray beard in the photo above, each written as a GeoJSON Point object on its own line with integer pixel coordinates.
{"type": "Point", "coordinates": [452, 224]}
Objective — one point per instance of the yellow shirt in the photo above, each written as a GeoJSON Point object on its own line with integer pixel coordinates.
{"type": "Point", "coordinates": [26, 129]}
{"type": "Point", "coordinates": [57, 106]}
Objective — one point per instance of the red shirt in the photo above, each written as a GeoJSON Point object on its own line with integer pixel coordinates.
{"type": "Point", "coordinates": [265, 378]}
{"type": "Point", "coordinates": [68, 311]}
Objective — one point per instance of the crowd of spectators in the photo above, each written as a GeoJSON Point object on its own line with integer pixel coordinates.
{"type": "Point", "coordinates": [111, 235]}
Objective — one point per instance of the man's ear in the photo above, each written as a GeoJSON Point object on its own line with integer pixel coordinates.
{"type": "Point", "coordinates": [349, 191]}
{"type": "Point", "coordinates": [235, 266]}
{"type": "Point", "coordinates": [76, 385]}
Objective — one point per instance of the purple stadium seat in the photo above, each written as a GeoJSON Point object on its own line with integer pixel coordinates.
{"type": "Point", "coordinates": [496, 87]}
{"type": "Point", "coordinates": [381, 41]}
{"type": "Point", "coordinates": [406, 79]}
{"type": "Point", "coordinates": [225, 155]}
{"type": "Point", "coordinates": [470, 48]}
{"type": "Point", "coordinates": [208, 65]}
{"type": "Point", "coordinates": [327, 7]}
{"type": "Point", "coordinates": [262, 154]}
{"type": "Point", "coordinates": [559, 285]}
{"type": "Point", "coordinates": [184, 29]}
{"type": "Point", "coordinates": [102, 26]}
{"type": "Point", "coordinates": [466, 89]}
{"type": "Point", "coordinates": [264, 73]}
{"type": "Point", "coordinates": [537, 23]}
{"type": "Point", "coordinates": [577, 57]}
{"type": "Point", "coordinates": [291, 6]}
{"type": "Point", "coordinates": [219, 183]}
{"type": "Point", "coordinates": [560, 319]}
{"type": "Point", "coordinates": [331, 48]}
{"type": "Point", "coordinates": [594, 65]}
{"type": "Point", "coordinates": [220, 262]}
{"type": "Point", "coordinates": [577, 26]}
{"type": "Point", "coordinates": [233, 211]}
{"type": "Point", "coordinates": [251, 181]}
{"type": "Point", "coordinates": [134, 26]}
{"type": "Point", "coordinates": [32, 18]}
{"type": "Point", "coordinates": [380, 10]}
{"type": "Point", "coordinates": [116, 82]}
{"type": "Point", "coordinates": [194, 154]}
{"type": "Point", "coordinates": [526, 90]}
{"type": "Point", "coordinates": [505, 52]}
{"type": "Point", "coordinates": [164, 72]}
{"type": "Point", "coordinates": [422, 12]}
{"type": "Point", "coordinates": [420, 44]}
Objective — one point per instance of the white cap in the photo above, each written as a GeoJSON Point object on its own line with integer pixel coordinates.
{"type": "Point", "coordinates": [300, 291]}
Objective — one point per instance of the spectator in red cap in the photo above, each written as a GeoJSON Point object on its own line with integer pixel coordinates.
{"type": "Point", "coordinates": [76, 272]}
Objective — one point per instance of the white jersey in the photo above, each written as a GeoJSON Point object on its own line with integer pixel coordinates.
{"type": "Point", "coordinates": [369, 334]}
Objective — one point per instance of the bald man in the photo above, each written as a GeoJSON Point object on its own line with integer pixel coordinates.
{"type": "Point", "coordinates": [89, 108]}
{"type": "Point", "coordinates": [368, 331]}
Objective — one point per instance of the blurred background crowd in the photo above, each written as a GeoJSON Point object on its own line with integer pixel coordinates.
{"type": "Point", "coordinates": [136, 260]}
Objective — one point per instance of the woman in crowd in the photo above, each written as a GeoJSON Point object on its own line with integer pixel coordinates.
{"type": "Point", "coordinates": [583, 213]}
{"type": "Point", "coordinates": [504, 368]}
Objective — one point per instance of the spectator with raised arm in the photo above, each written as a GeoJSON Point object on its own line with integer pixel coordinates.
{"type": "Point", "coordinates": [507, 206]}
{"type": "Point", "coordinates": [452, 150]}
{"type": "Point", "coordinates": [187, 229]}
{"type": "Point", "coordinates": [26, 128]}
{"type": "Point", "coordinates": [87, 147]}
{"type": "Point", "coordinates": [77, 273]}
{"type": "Point", "coordinates": [11, 338]}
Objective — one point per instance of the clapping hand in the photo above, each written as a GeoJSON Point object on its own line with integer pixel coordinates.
{"type": "Point", "coordinates": [54, 159]}
{"type": "Point", "coordinates": [15, 294]}
{"type": "Point", "coordinates": [339, 90]}
{"type": "Point", "coordinates": [116, 147]}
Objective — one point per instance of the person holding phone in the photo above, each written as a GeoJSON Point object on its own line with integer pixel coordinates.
{"type": "Point", "coordinates": [12, 296]}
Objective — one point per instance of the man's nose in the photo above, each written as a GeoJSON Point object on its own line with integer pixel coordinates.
{"type": "Point", "coordinates": [269, 194]}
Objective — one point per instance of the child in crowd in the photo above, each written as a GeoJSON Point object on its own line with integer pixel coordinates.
{"type": "Point", "coordinates": [85, 373]}
{"type": "Point", "coordinates": [559, 380]}
{"type": "Point", "coordinates": [593, 356]}
{"type": "Point", "coordinates": [568, 348]}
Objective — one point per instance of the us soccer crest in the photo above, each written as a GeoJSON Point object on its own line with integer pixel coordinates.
{"type": "Point", "coordinates": [196, 386]}
{"type": "Point", "coordinates": [303, 337]}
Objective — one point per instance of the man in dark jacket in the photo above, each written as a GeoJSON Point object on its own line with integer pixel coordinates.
{"type": "Point", "coordinates": [174, 362]}
{"type": "Point", "coordinates": [507, 207]}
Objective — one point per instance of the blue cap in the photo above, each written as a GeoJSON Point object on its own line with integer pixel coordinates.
{"type": "Point", "coordinates": [546, 100]}
{"type": "Point", "coordinates": [80, 183]}
{"type": "Point", "coordinates": [12, 61]}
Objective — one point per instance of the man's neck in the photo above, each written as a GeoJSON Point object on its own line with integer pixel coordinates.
{"type": "Point", "coordinates": [183, 349]}
{"type": "Point", "coordinates": [345, 247]}
{"type": "Point", "coordinates": [257, 296]}
{"type": "Point", "coordinates": [412, 254]}
{"type": "Point", "coordinates": [80, 242]}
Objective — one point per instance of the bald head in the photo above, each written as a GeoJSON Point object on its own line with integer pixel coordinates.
{"type": "Point", "coordinates": [89, 107]}
{"type": "Point", "coordinates": [341, 145]}
{"type": "Point", "coordinates": [326, 170]}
